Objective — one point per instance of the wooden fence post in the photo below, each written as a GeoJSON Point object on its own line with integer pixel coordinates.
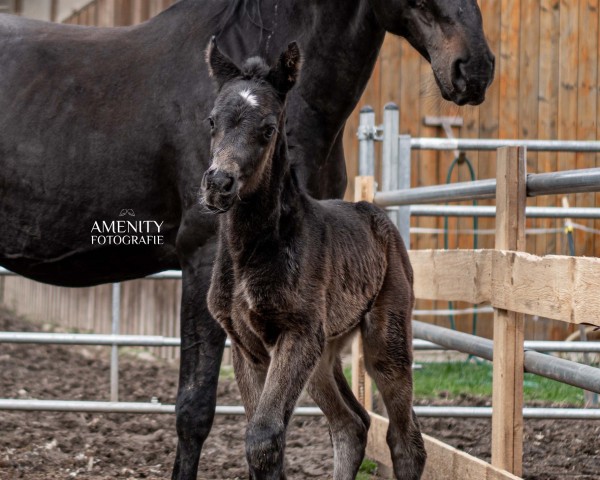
{"type": "Point", "coordinates": [364, 189]}
{"type": "Point", "coordinates": [507, 400]}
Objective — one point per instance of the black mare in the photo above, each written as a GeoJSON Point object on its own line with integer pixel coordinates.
{"type": "Point", "coordinates": [93, 121]}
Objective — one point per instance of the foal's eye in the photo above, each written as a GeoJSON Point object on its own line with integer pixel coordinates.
{"type": "Point", "coordinates": [211, 122]}
{"type": "Point", "coordinates": [268, 132]}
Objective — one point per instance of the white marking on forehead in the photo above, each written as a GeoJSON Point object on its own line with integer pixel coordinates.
{"type": "Point", "coordinates": [249, 97]}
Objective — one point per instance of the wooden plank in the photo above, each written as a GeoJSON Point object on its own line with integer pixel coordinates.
{"type": "Point", "coordinates": [443, 461]}
{"type": "Point", "coordinates": [587, 87]}
{"type": "Point", "coordinates": [509, 68]}
{"type": "Point", "coordinates": [489, 117]}
{"type": "Point", "coordinates": [559, 287]}
{"type": "Point", "coordinates": [362, 388]}
{"type": "Point", "coordinates": [529, 85]}
{"type": "Point", "coordinates": [464, 275]}
{"type": "Point", "coordinates": [567, 91]}
{"type": "Point", "coordinates": [547, 130]}
{"type": "Point", "coordinates": [555, 286]}
{"type": "Point", "coordinates": [507, 388]}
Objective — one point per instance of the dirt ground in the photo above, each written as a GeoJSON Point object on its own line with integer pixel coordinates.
{"type": "Point", "coordinates": [43, 445]}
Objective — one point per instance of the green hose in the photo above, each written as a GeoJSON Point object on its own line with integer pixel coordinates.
{"type": "Point", "coordinates": [457, 161]}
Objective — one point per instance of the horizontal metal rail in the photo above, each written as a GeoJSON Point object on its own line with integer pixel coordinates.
{"type": "Point", "coordinates": [565, 371]}
{"type": "Point", "coordinates": [490, 211]}
{"type": "Point", "coordinates": [454, 192]}
{"type": "Point", "coordinates": [430, 143]}
{"type": "Point", "coordinates": [91, 339]}
{"type": "Point", "coordinates": [155, 407]}
{"type": "Point", "coordinates": [121, 407]}
{"type": "Point", "coordinates": [568, 181]}
{"type": "Point", "coordinates": [166, 275]}
{"type": "Point", "coordinates": [160, 341]}
{"type": "Point", "coordinates": [528, 412]}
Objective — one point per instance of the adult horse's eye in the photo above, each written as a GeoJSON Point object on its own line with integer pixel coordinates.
{"type": "Point", "coordinates": [268, 132]}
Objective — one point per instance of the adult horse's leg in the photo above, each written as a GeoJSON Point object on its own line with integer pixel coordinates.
{"type": "Point", "coordinates": [388, 358]}
{"type": "Point", "coordinates": [293, 360]}
{"type": "Point", "coordinates": [202, 343]}
{"type": "Point", "coordinates": [346, 424]}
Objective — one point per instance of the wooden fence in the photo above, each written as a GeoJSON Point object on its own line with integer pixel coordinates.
{"type": "Point", "coordinates": [546, 86]}
{"type": "Point", "coordinates": [515, 283]}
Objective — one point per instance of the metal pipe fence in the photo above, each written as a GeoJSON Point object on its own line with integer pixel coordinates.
{"type": "Point", "coordinates": [565, 371]}
{"type": "Point", "coordinates": [42, 338]}
{"type": "Point", "coordinates": [157, 407]}
{"type": "Point", "coordinates": [564, 182]}
{"type": "Point", "coordinates": [403, 202]}
{"type": "Point", "coordinates": [568, 181]}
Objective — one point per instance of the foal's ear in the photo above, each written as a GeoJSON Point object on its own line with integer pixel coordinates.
{"type": "Point", "coordinates": [284, 74]}
{"type": "Point", "coordinates": [220, 67]}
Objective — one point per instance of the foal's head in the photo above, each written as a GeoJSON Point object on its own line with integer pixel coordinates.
{"type": "Point", "coordinates": [245, 123]}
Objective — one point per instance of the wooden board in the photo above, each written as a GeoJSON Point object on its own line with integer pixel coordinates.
{"type": "Point", "coordinates": [443, 461]}
{"type": "Point", "coordinates": [555, 286]}
{"type": "Point", "coordinates": [507, 391]}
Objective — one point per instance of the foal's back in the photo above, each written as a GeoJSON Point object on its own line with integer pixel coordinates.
{"type": "Point", "coordinates": [360, 247]}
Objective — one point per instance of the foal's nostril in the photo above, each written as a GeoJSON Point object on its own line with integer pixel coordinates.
{"type": "Point", "coordinates": [221, 181]}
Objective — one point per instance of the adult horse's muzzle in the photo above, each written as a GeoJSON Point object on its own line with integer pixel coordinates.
{"type": "Point", "coordinates": [219, 190]}
{"type": "Point", "coordinates": [468, 79]}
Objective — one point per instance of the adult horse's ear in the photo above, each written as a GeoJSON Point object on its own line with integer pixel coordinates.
{"type": "Point", "coordinates": [220, 67]}
{"type": "Point", "coordinates": [285, 73]}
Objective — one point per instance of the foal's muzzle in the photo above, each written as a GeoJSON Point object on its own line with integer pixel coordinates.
{"type": "Point", "coordinates": [219, 189]}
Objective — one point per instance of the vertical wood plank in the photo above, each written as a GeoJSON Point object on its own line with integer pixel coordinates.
{"type": "Point", "coordinates": [507, 394]}
{"type": "Point", "coordinates": [567, 92]}
{"type": "Point", "coordinates": [364, 188]}
{"type": "Point", "coordinates": [509, 68]}
{"type": "Point", "coordinates": [529, 84]}
{"type": "Point", "coordinates": [489, 110]}
{"type": "Point", "coordinates": [587, 88]}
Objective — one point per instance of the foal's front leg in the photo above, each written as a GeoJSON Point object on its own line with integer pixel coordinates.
{"type": "Point", "coordinates": [292, 363]}
{"type": "Point", "coordinates": [250, 376]}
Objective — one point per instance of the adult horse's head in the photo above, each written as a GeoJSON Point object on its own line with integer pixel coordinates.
{"type": "Point", "coordinates": [245, 122]}
{"type": "Point", "coordinates": [449, 34]}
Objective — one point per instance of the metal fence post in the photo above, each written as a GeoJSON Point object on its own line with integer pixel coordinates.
{"type": "Point", "coordinates": [114, 354]}
{"type": "Point", "coordinates": [404, 183]}
{"type": "Point", "coordinates": [366, 142]}
{"type": "Point", "coordinates": [389, 162]}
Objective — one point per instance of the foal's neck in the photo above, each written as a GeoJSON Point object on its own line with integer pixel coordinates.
{"type": "Point", "coordinates": [266, 215]}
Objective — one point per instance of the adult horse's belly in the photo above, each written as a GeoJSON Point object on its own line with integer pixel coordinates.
{"type": "Point", "coordinates": [75, 150]}
{"type": "Point", "coordinates": [75, 228]}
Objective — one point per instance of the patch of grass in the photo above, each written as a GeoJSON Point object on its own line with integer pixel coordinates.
{"type": "Point", "coordinates": [453, 378]}
{"type": "Point", "coordinates": [226, 372]}
{"type": "Point", "coordinates": [367, 469]}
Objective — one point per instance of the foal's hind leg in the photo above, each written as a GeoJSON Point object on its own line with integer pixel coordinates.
{"type": "Point", "coordinates": [388, 358]}
{"type": "Point", "coordinates": [348, 424]}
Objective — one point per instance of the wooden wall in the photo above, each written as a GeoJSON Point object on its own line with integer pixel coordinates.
{"type": "Point", "coordinates": [546, 86]}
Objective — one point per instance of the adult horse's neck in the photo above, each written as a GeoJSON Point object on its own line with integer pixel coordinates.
{"type": "Point", "coordinates": [340, 40]}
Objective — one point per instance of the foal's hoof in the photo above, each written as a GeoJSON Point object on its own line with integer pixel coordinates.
{"type": "Point", "coordinates": [409, 460]}
{"type": "Point", "coordinates": [264, 451]}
